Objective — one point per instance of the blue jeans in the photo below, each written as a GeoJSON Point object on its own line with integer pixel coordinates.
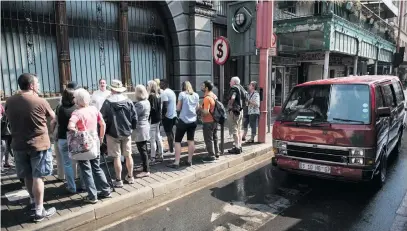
{"type": "Point", "coordinates": [253, 121]}
{"type": "Point", "coordinates": [67, 162]}
{"type": "Point", "coordinates": [33, 164]}
{"type": "Point", "coordinates": [94, 177]}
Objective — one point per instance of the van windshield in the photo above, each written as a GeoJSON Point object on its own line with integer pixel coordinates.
{"type": "Point", "coordinates": [336, 103]}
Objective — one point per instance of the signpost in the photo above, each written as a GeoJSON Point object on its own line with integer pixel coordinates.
{"type": "Point", "coordinates": [221, 52]}
{"type": "Point", "coordinates": [273, 48]}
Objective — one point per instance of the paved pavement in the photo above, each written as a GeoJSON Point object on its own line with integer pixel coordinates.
{"type": "Point", "coordinates": [271, 200]}
{"type": "Point", "coordinates": [72, 211]}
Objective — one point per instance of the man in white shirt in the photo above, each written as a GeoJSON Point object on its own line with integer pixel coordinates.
{"type": "Point", "coordinates": [99, 96]}
{"type": "Point", "coordinates": [169, 112]}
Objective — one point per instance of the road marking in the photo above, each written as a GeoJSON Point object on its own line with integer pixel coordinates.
{"type": "Point", "coordinates": [17, 195]}
{"type": "Point", "coordinates": [250, 217]}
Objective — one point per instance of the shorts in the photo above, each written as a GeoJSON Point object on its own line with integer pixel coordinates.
{"type": "Point", "coordinates": [235, 122]}
{"type": "Point", "coordinates": [168, 124]}
{"type": "Point", "coordinates": [118, 147]}
{"type": "Point", "coordinates": [33, 164]}
{"type": "Point", "coordinates": [182, 128]}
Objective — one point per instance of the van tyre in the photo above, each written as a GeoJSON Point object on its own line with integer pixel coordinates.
{"type": "Point", "coordinates": [397, 148]}
{"type": "Point", "coordinates": [380, 179]}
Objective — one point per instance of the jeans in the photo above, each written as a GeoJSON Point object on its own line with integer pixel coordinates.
{"type": "Point", "coordinates": [67, 163]}
{"type": "Point", "coordinates": [7, 151]}
{"type": "Point", "coordinates": [253, 121]}
{"type": "Point", "coordinates": [210, 133]}
{"type": "Point", "coordinates": [155, 140]}
{"type": "Point", "coordinates": [142, 149]}
{"type": "Point", "coordinates": [94, 177]}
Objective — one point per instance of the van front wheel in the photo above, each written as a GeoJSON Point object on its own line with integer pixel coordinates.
{"type": "Point", "coordinates": [380, 178]}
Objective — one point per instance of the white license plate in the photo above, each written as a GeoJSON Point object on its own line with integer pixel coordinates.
{"type": "Point", "coordinates": [315, 167]}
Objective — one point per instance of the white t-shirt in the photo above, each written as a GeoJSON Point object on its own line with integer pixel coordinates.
{"type": "Point", "coordinates": [99, 97]}
{"type": "Point", "coordinates": [169, 95]}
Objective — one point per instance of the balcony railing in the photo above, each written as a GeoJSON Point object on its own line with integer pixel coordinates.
{"type": "Point", "coordinates": [359, 15]}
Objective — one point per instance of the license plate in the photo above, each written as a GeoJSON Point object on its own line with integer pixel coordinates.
{"type": "Point", "coordinates": [315, 167]}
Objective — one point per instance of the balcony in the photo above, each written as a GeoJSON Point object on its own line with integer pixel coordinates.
{"type": "Point", "coordinates": [355, 12]}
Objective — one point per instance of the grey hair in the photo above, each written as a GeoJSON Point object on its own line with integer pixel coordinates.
{"type": "Point", "coordinates": [82, 97]}
{"type": "Point", "coordinates": [236, 80]}
{"type": "Point", "coordinates": [141, 92]}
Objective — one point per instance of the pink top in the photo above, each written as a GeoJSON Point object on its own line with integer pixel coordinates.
{"type": "Point", "coordinates": [88, 116]}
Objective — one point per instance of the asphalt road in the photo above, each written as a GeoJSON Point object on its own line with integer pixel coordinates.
{"type": "Point", "coordinates": [270, 200]}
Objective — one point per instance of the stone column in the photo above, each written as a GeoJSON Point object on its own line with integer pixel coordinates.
{"type": "Point", "coordinates": [124, 45]}
{"type": "Point", "coordinates": [201, 41]}
{"type": "Point", "coordinates": [355, 65]}
{"type": "Point", "coordinates": [64, 60]}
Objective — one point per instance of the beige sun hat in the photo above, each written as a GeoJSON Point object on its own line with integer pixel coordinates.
{"type": "Point", "coordinates": [117, 86]}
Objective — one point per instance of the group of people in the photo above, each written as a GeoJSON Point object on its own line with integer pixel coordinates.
{"type": "Point", "coordinates": [114, 121]}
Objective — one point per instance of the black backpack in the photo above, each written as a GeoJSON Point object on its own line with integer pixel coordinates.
{"type": "Point", "coordinates": [219, 113]}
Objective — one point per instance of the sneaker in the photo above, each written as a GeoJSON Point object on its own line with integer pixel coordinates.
{"type": "Point", "coordinates": [118, 184]}
{"type": "Point", "coordinates": [129, 179]}
{"type": "Point", "coordinates": [209, 158]}
{"type": "Point", "coordinates": [153, 161]}
{"type": "Point", "coordinates": [91, 201]}
{"type": "Point", "coordinates": [233, 150]}
{"type": "Point", "coordinates": [143, 174]}
{"type": "Point", "coordinates": [45, 213]}
{"type": "Point", "coordinates": [102, 195]}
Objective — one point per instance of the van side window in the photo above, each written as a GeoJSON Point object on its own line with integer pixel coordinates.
{"type": "Point", "coordinates": [379, 97]}
{"type": "Point", "coordinates": [388, 96]}
{"type": "Point", "coordinates": [399, 92]}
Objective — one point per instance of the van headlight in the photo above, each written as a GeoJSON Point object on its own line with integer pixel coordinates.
{"type": "Point", "coordinates": [356, 160]}
{"type": "Point", "coordinates": [279, 147]}
{"type": "Point", "coordinates": [357, 152]}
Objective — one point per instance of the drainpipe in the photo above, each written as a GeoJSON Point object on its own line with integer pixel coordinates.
{"type": "Point", "coordinates": [398, 35]}
{"type": "Point", "coordinates": [264, 32]}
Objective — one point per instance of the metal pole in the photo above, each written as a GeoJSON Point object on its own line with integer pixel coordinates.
{"type": "Point", "coordinates": [398, 35]}
{"type": "Point", "coordinates": [263, 83]}
{"type": "Point", "coordinates": [221, 93]}
{"type": "Point", "coordinates": [326, 65]}
{"type": "Point", "coordinates": [355, 66]}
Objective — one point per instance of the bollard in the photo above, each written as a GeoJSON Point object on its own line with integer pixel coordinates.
{"type": "Point", "coordinates": [222, 138]}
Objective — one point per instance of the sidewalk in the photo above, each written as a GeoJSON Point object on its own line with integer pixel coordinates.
{"type": "Point", "coordinates": [73, 212]}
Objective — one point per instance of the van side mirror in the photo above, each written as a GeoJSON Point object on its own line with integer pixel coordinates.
{"type": "Point", "coordinates": [383, 112]}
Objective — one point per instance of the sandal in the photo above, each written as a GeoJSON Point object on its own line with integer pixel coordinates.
{"type": "Point", "coordinates": [143, 174]}
{"type": "Point", "coordinates": [176, 166]}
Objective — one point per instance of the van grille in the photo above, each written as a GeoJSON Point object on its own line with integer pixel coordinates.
{"type": "Point", "coordinates": [331, 155]}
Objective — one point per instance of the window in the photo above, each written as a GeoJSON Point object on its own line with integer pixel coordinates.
{"type": "Point", "coordinates": [379, 97]}
{"type": "Point", "coordinates": [388, 96]}
{"type": "Point", "coordinates": [399, 92]}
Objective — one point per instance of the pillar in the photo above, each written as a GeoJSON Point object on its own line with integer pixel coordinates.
{"type": "Point", "coordinates": [355, 65]}
{"type": "Point", "coordinates": [326, 65]}
{"type": "Point", "coordinates": [124, 46]}
{"type": "Point", "coordinates": [200, 34]}
{"type": "Point", "coordinates": [64, 60]}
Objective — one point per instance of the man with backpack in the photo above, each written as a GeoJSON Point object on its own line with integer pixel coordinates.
{"type": "Point", "coordinates": [237, 97]}
{"type": "Point", "coordinates": [210, 126]}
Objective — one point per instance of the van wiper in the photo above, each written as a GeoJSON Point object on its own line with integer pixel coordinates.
{"type": "Point", "coordinates": [348, 120]}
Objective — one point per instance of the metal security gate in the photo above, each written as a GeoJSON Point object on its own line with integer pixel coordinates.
{"type": "Point", "coordinates": [93, 30]}
{"type": "Point", "coordinates": [147, 43]}
{"type": "Point", "coordinates": [28, 44]}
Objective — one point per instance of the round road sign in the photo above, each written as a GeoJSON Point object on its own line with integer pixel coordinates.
{"type": "Point", "coordinates": [221, 50]}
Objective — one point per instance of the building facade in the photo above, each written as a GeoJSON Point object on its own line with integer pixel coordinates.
{"type": "Point", "coordinates": [85, 41]}
{"type": "Point", "coordinates": [327, 39]}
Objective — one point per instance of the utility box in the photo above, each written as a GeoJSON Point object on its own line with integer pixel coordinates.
{"type": "Point", "coordinates": [241, 27]}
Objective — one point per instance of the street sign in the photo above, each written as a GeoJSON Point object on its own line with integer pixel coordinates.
{"type": "Point", "coordinates": [221, 50]}
{"type": "Point", "coordinates": [273, 51]}
{"type": "Point", "coordinates": [274, 40]}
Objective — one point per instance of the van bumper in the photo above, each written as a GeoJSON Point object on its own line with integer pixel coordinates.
{"type": "Point", "coordinates": [338, 172]}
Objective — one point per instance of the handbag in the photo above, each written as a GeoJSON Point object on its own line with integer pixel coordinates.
{"type": "Point", "coordinates": [82, 145]}
{"type": "Point", "coordinates": [5, 127]}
